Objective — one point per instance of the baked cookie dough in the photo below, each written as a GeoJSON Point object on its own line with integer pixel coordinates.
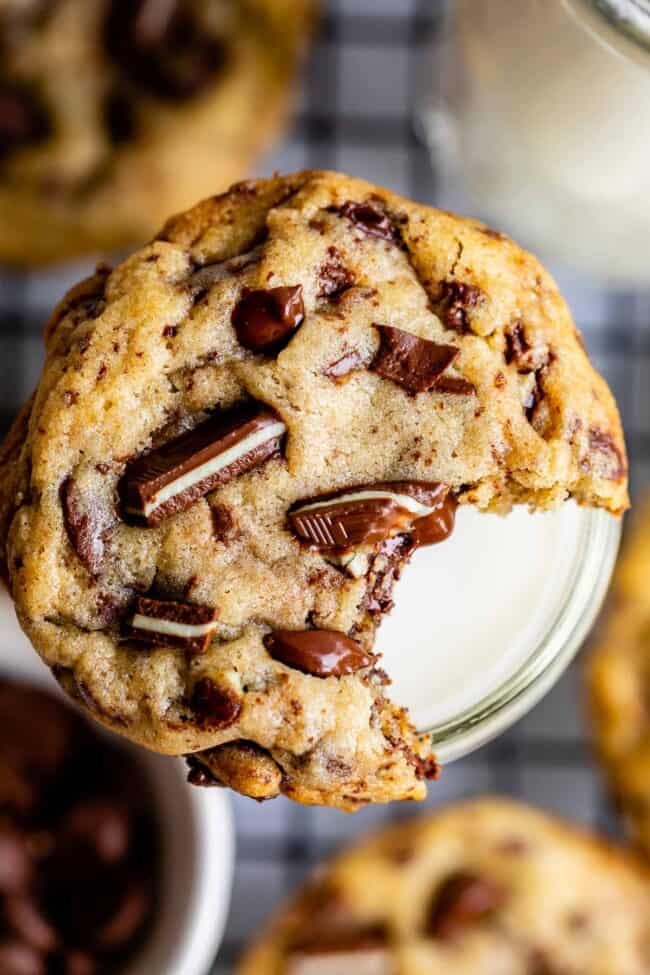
{"type": "Point", "coordinates": [618, 681]}
{"type": "Point", "coordinates": [239, 437]}
{"type": "Point", "coordinates": [489, 887]}
{"type": "Point", "coordinates": [105, 103]}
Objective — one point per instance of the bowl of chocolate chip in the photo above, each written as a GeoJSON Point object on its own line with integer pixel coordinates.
{"type": "Point", "coordinates": [109, 862]}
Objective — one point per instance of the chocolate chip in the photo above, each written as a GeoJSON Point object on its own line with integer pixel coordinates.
{"type": "Point", "coordinates": [344, 365]}
{"type": "Point", "coordinates": [603, 443]}
{"type": "Point", "coordinates": [462, 900]}
{"type": "Point", "coordinates": [23, 119]}
{"type": "Point", "coordinates": [370, 220]}
{"type": "Point", "coordinates": [223, 523]}
{"type": "Point", "coordinates": [334, 278]}
{"type": "Point", "coordinates": [455, 386]}
{"type": "Point", "coordinates": [321, 653]}
{"type": "Point", "coordinates": [24, 918]}
{"type": "Point", "coordinates": [264, 320]}
{"type": "Point", "coordinates": [367, 513]}
{"type": "Point", "coordinates": [161, 46]}
{"type": "Point", "coordinates": [97, 828]}
{"type": "Point", "coordinates": [412, 362]}
{"type": "Point", "coordinates": [18, 958]}
{"type": "Point", "coordinates": [15, 862]}
{"type": "Point", "coordinates": [86, 524]}
{"type": "Point", "coordinates": [200, 776]}
{"type": "Point", "coordinates": [188, 626]}
{"type": "Point", "coordinates": [218, 707]}
{"type": "Point", "coordinates": [384, 570]}
{"type": "Point", "coordinates": [176, 475]}
{"type": "Point", "coordinates": [456, 299]}
{"type": "Point", "coordinates": [120, 117]}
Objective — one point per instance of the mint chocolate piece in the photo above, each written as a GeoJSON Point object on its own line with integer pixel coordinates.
{"type": "Point", "coordinates": [410, 361]}
{"type": "Point", "coordinates": [176, 475]}
{"type": "Point", "coordinates": [185, 625]}
{"type": "Point", "coordinates": [321, 653]}
{"type": "Point", "coordinates": [369, 513]}
{"type": "Point", "coordinates": [264, 320]}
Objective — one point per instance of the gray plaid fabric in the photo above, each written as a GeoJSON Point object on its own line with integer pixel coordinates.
{"type": "Point", "coordinates": [356, 114]}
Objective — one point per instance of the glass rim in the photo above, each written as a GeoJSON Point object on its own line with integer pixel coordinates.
{"type": "Point", "coordinates": [593, 564]}
{"type": "Point", "coordinates": [628, 17]}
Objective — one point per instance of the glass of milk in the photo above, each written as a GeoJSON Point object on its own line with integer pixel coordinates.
{"type": "Point", "coordinates": [543, 108]}
{"type": "Point", "coordinates": [486, 622]}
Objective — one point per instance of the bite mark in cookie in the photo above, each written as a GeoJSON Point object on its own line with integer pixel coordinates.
{"type": "Point", "coordinates": [264, 320]}
{"type": "Point", "coordinates": [415, 363]}
{"type": "Point", "coordinates": [321, 653]}
{"type": "Point", "coordinates": [188, 626]}
{"type": "Point", "coordinates": [366, 514]}
{"type": "Point", "coordinates": [176, 475]}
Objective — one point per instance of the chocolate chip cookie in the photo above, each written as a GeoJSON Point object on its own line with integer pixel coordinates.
{"type": "Point", "coordinates": [116, 113]}
{"type": "Point", "coordinates": [489, 887]}
{"type": "Point", "coordinates": [240, 436]}
{"type": "Point", "coordinates": [618, 681]}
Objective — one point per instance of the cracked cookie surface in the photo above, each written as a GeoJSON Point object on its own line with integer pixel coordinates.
{"type": "Point", "coordinates": [619, 678]}
{"type": "Point", "coordinates": [239, 437]}
{"type": "Point", "coordinates": [104, 102]}
{"type": "Point", "coordinates": [488, 887]}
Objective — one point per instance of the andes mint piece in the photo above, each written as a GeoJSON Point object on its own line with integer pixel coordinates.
{"type": "Point", "coordinates": [86, 524]}
{"type": "Point", "coordinates": [346, 364]}
{"type": "Point", "coordinates": [321, 653]}
{"type": "Point", "coordinates": [367, 513]}
{"type": "Point", "coordinates": [23, 120]}
{"type": "Point", "coordinates": [176, 475]}
{"type": "Point", "coordinates": [265, 319]}
{"type": "Point", "coordinates": [160, 46]}
{"type": "Point", "coordinates": [456, 299]}
{"type": "Point", "coordinates": [216, 706]}
{"type": "Point", "coordinates": [370, 220]}
{"type": "Point", "coordinates": [437, 526]}
{"type": "Point", "coordinates": [463, 899]}
{"type": "Point", "coordinates": [169, 624]}
{"type": "Point", "coordinates": [410, 361]}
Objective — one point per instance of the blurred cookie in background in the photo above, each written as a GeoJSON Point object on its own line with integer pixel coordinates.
{"type": "Point", "coordinates": [488, 886]}
{"type": "Point", "coordinates": [619, 682]}
{"type": "Point", "coordinates": [104, 103]}
{"type": "Point", "coordinates": [78, 843]}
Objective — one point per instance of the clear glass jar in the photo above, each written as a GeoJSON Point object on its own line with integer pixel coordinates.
{"type": "Point", "coordinates": [485, 624]}
{"type": "Point", "coordinates": [543, 108]}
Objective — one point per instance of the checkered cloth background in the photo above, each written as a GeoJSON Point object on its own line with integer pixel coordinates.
{"type": "Point", "coordinates": [356, 113]}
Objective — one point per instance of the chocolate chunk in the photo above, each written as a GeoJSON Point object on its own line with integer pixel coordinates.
{"type": "Point", "coordinates": [604, 443]}
{"type": "Point", "coordinates": [412, 362]}
{"type": "Point", "coordinates": [265, 320]}
{"type": "Point", "coordinates": [215, 706]}
{"type": "Point", "coordinates": [18, 958]}
{"type": "Point", "coordinates": [462, 900]}
{"type": "Point", "coordinates": [322, 653]}
{"type": "Point", "coordinates": [455, 386]}
{"type": "Point", "coordinates": [173, 477]}
{"type": "Point", "coordinates": [517, 347]}
{"type": "Point", "coordinates": [185, 625]}
{"type": "Point", "coordinates": [119, 116]}
{"type": "Point", "coordinates": [384, 570]}
{"type": "Point", "coordinates": [24, 918]}
{"type": "Point", "coordinates": [162, 47]}
{"type": "Point", "coordinates": [367, 513]}
{"type": "Point", "coordinates": [86, 524]}
{"type": "Point", "coordinates": [456, 299]}
{"type": "Point", "coordinates": [344, 365]}
{"type": "Point", "coordinates": [334, 278]}
{"type": "Point", "coordinates": [437, 526]}
{"type": "Point", "coordinates": [369, 219]}
{"type": "Point", "coordinates": [23, 119]}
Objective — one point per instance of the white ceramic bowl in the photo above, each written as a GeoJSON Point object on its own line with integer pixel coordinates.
{"type": "Point", "coordinates": [197, 839]}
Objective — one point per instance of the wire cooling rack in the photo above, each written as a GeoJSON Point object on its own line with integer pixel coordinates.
{"type": "Point", "coordinates": [356, 114]}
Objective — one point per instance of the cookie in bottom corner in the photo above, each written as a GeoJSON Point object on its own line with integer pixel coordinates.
{"type": "Point", "coordinates": [486, 887]}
